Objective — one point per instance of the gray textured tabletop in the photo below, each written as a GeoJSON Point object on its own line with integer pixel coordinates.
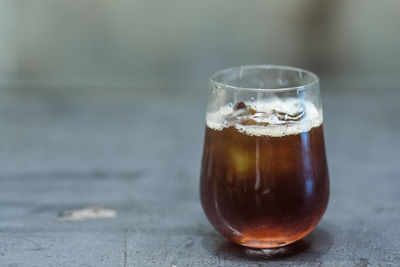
{"type": "Point", "coordinates": [138, 152]}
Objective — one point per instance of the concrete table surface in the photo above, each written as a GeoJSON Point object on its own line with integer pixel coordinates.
{"type": "Point", "coordinates": [137, 151]}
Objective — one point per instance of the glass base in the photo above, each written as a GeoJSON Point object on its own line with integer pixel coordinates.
{"type": "Point", "coordinates": [264, 244]}
{"type": "Point", "coordinates": [267, 243]}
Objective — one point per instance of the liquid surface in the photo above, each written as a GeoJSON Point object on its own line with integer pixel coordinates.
{"type": "Point", "coordinates": [274, 117]}
{"type": "Point", "coordinates": [264, 182]}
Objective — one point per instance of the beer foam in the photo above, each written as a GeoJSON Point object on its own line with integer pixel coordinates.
{"type": "Point", "coordinates": [219, 120]}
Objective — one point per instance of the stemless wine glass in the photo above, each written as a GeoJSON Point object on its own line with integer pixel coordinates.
{"type": "Point", "coordinates": [264, 178]}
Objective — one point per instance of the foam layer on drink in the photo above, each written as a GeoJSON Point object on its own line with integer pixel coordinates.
{"type": "Point", "coordinates": [275, 117]}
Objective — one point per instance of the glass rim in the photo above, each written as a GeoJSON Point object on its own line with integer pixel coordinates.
{"type": "Point", "coordinates": [314, 77]}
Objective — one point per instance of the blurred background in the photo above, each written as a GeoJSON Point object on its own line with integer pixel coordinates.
{"type": "Point", "coordinates": [126, 43]}
{"type": "Point", "coordinates": [101, 86]}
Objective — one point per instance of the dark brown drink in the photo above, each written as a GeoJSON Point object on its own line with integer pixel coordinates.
{"type": "Point", "coordinates": [264, 191]}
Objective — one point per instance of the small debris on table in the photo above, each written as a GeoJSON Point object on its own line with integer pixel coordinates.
{"type": "Point", "coordinates": [94, 212]}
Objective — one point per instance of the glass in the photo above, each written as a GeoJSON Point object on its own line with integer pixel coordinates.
{"type": "Point", "coordinates": [264, 178]}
